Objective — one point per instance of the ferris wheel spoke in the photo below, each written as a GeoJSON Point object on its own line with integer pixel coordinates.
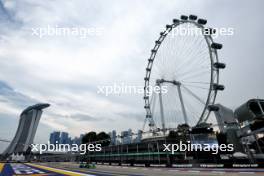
{"type": "Point", "coordinates": [195, 82]}
{"type": "Point", "coordinates": [198, 87]}
{"type": "Point", "coordinates": [173, 106]}
{"type": "Point", "coordinates": [187, 61]}
{"type": "Point", "coordinates": [182, 104]}
{"type": "Point", "coordinates": [185, 44]}
{"type": "Point", "coordinates": [193, 41]}
{"type": "Point", "coordinates": [162, 112]}
{"type": "Point", "coordinates": [203, 62]}
{"type": "Point", "coordinates": [189, 52]}
{"type": "Point", "coordinates": [191, 109]}
{"type": "Point", "coordinates": [190, 69]}
{"type": "Point", "coordinates": [193, 58]}
{"type": "Point", "coordinates": [195, 65]}
{"type": "Point", "coordinates": [144, 124]}
{"type": "Point", "coordinates": [153, 102]}
{"type": "Point", "coordinates": [198, 60]}
{"type": "Point", "coordinates": [194, 95]}
{"type": "Point", "coordinates": [194, 74]}
{"type": "Point", "coordinates": [191, 72]}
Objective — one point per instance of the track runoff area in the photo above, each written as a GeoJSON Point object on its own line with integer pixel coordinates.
{"type": "Point", "coordinates": [72, 169]}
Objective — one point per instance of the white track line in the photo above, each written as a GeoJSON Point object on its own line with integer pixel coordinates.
{"type": "Point", "coordinates": [174, 170]}
{"type": "Point", "coordinates": [194, 171]}
{"type": "Point", "coordinates": [218, 172]}
{"type": "Point", "coordinates": [247, 172]}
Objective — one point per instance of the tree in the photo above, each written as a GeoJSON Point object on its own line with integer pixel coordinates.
{"type": "Point", "coordinates": [89, 137]}
{"type": "Point", "coordinates": [181, 134]}
{"type": "Point", "coordinates": [101, 138]}
{"type": "Point", "coordinates": [105, 138]}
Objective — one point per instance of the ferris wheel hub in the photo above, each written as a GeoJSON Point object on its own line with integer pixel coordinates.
{"type": "Point", "coordinates": [174, 82]}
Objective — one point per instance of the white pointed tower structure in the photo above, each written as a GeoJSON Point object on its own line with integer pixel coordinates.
{"type": "Point", "coordinates": [27, 127]}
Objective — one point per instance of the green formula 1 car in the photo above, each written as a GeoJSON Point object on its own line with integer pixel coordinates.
{"type": "Point", "coordinates": [87, 165]}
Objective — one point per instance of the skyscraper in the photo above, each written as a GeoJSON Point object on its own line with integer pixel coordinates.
{"type": "Point", "coordinates": [126, 136]}
{"type": "Point", "coordinates": [55, 136]}
{"type": "Point", "coordinates": [113, 137]}
{"type": "Point", "coordinates": [64, 138]}
{"type": "Point", "coordinates": [76, 140]}
{"type": "Point", "coordinates": [27, 127]}
{"type": "Point", "coordinates": [139, 136]}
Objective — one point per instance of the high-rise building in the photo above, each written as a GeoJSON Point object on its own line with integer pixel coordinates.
{"type": "Point", "coordinates": [27, 127]}
{"type": "Point", "coordinates": [76, 140]}
{"type": "Point", "coordinates": [81, 136]}
{"type": "Point", "coordinates": [58, 137]}
{"type": "Point", "coordinates": [113, 137]}
{"type": "Point", "coordinates": [55, 137]}
{"type": "Point", "coordinates": [64, 138]}
{"type": "Point", "coordinates": [139, 136]}
{"type": "Point", "coordinates": [126, 136]}
{"type": "Point", "coordinates": [51, 138]}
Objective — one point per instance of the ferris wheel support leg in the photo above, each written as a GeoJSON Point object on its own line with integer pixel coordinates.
{"type": "Point", "coordinates": [182, 104]}
{"type": "Point", "coordinates": [162, 112]}
{"type": "Point", "coordinates": [262, 110]}
{"type": "Point", "coordinates": [151, 121]}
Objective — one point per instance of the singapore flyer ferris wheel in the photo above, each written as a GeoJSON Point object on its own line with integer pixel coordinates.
{"type": "Point", "coordinates": [186, 63]}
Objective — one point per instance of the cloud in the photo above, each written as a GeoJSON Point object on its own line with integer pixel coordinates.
{"type": "Point", "coordinates": [9, 95]}
{"type": "Point", "coordinates": [4, 15]}
{"type": "Point", "coordinates": [65, 71]}
{"type": "Point", "coordinates": [84, 117]}
{"type": "Point", "coordinates": [132, 116]}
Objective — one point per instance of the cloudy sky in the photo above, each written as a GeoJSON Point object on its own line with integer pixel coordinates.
{"type": "Point", "coordinates": [66, 71]}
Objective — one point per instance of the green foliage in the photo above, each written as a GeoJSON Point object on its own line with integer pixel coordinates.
{"type": "Point", "coordinates": [181, 134]}
{"type": "Point", "coordinates": [89, 137]}
{"type": "Point", "coordinates": [101, 138]}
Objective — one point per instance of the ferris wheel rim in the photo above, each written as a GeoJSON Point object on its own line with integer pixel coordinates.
{"type": "Point", "coordinates": [214, 75]}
